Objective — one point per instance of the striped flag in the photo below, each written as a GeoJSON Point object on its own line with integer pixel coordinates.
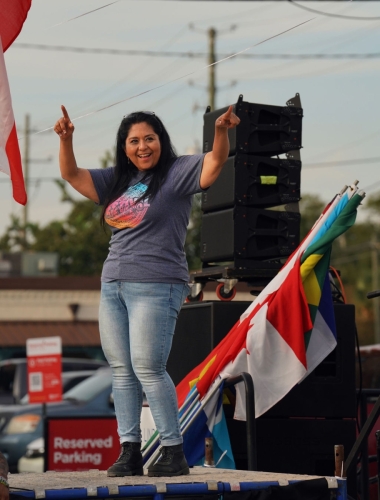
{"type": "Point", "coordinates": [289, 328]}
{"type": "Point", "coordinates": [12, 17]}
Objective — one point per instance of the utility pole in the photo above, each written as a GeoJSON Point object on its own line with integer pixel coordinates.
{"type": "Point", "coordinates": [26, 161]}
{"type": "Point", "coordinates": [211, 61]}
{"type": "Point", "coordinates": [212, 89]}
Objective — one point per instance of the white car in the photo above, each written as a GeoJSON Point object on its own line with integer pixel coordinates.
{"type": "Point", "coordinates": [33, 460]}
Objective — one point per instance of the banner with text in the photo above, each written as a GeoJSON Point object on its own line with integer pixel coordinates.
{"type": "Point", "coordinates": [84, 443]}
{"type": "Point", "coordinates": [44, 369]}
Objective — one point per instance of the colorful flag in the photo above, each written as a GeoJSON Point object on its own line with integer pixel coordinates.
{"type": "Point", "coordinates": [289, 328]}
{"type": "Point", "coordinates": [12, 17]}
{"type": "Point", "coordinates": [210, 422]}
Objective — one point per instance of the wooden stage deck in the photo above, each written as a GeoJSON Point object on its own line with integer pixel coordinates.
{"type": "Point", "coordinates": [201, 481]}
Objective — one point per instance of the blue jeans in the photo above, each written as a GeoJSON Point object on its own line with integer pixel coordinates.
{"type": "Point", "coordinates": [137, 322]}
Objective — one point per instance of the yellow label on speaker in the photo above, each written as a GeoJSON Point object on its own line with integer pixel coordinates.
{"type": "Point", "coordinates": [268, 179]}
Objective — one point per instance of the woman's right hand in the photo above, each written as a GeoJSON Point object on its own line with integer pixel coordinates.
{"type": "Point", "coordinates": [64, 127]}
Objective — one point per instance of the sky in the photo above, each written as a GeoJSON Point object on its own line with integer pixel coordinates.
{"type": "Point", "coordinates": [339, 96]}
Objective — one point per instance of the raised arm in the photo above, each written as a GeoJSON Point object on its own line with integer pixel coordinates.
{"type": "Point", "coordinates": [79, 178]}
{"type": "Point", "coordinates": [215, 159]}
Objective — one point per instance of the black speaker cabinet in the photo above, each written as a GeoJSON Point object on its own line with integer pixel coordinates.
{"type": "Point", "coordinates": [254, 181]}
{"type": "Point", "coordinates": [263, 129]}
{"type": "Point", "coordinates": [295, 446]}
{"type": "Point", "coordinates": [245, 233]}
{"type": "Point", "coordinates": [200, 328]}
{"type": "Point", "coordinates": [330, 390]}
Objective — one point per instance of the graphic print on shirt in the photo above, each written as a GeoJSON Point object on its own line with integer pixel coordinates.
{"type": "Point", "coordinates": [124, 212]}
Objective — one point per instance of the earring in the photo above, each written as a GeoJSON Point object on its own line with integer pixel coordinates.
{"type": "Point", "coordinates": [129, 161]}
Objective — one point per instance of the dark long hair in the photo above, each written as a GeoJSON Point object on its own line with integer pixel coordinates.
{"type": "Point", "coordinates": [125, 170]}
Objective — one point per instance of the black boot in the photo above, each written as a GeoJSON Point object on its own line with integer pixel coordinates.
{"type": "Point", "coordinates": [172, 462]}
{"type": "Point", "coordinates": [129, 463]}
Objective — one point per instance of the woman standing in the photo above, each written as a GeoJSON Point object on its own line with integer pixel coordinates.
{"type": "Point", "coordinates": [146, 202]}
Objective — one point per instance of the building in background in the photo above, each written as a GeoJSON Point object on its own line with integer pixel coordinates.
{"type": "Point", "coordinates": [66, 306]}
{"type": "Point", "coordinates": [38, 264]}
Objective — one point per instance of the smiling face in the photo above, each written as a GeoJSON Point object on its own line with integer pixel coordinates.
{"type": "Point", "coordinates": [142, 146]}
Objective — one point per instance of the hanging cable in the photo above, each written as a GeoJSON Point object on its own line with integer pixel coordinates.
{"type": "Point", "coordinates": [85, 14]}
{"type": "Point", "coordinates": [328, 14]}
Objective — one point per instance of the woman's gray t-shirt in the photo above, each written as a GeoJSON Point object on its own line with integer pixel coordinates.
{"type": "Point", "coordinates": [147, 242]}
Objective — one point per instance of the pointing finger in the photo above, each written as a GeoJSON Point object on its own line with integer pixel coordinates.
{"type": "Point", "coordinates": [227, 114]}
{"type": "Point", "coordinates": [65, 113]}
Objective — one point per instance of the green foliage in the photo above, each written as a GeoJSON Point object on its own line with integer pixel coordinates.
{"type": "Point", "coordinates": [79, 240]}
{"type": "Point", "coordinates": [17, 236]}
{"type": "Point", "coordinates": [311, 207]}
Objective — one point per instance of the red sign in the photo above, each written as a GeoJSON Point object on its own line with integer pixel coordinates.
{"type": "Point", "coordinates": [81, 444]}
{"type": "Point", "coordinates": [44, 369]}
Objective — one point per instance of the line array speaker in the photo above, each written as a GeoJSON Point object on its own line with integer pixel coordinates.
{"type": "Point", "coordinates": [254, 181]}
{"type": "Point", "coordinates": [246, 233]}
{"type": "Point", "coordinates": [236, 230]}
{"type": "Point", "coordinates": [263, 130]}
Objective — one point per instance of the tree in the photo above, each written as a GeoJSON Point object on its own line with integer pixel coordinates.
{"type": "Point", "coordinates": [311, 207]}
{"type": "Point", "coordinates": [82, 245]}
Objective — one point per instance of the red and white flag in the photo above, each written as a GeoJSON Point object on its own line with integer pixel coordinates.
{"type": "Point", "coordinates": [12, 17]}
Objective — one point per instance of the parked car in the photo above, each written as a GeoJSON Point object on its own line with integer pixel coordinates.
{"type": "Point", "coordinates": [33, 460]}
{"type": "Point", "coordinates": [69, 380]}
{"type": "Point", "coordinates": [24, 423]}
{"type": "Point", "coordinates": [13, 375]}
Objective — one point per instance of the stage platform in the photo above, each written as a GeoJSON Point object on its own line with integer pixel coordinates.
{"type": "Point", "coordinates": [202, 482]}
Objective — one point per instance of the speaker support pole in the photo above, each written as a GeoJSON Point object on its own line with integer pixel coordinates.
{"type": "Point", "coordinates": [250, 415]}
{"type": "Point", "coordinates": [366, 429]}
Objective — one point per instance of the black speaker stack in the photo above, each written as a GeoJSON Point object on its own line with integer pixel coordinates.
{"type": "Point", "coordinates": [251, 214]}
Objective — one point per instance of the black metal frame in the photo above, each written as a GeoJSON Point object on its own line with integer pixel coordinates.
{"type": "Point", "coordinates": [250, 414]}
{"type": "Point", "coordinates": [361, 444]}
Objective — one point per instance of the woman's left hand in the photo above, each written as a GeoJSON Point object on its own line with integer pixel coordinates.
{"type": "Point", "coordinates": [227, 120]}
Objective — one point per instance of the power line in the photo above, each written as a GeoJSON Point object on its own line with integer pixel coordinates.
{"type": "Point", "coordinates": [131, 52]}
{"type": "Point", "coordinates": [355, 161]}
{"type": "Point", "coordinates": [85, 14]}
{"type": "Point", "coordinates": [328, 14]}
